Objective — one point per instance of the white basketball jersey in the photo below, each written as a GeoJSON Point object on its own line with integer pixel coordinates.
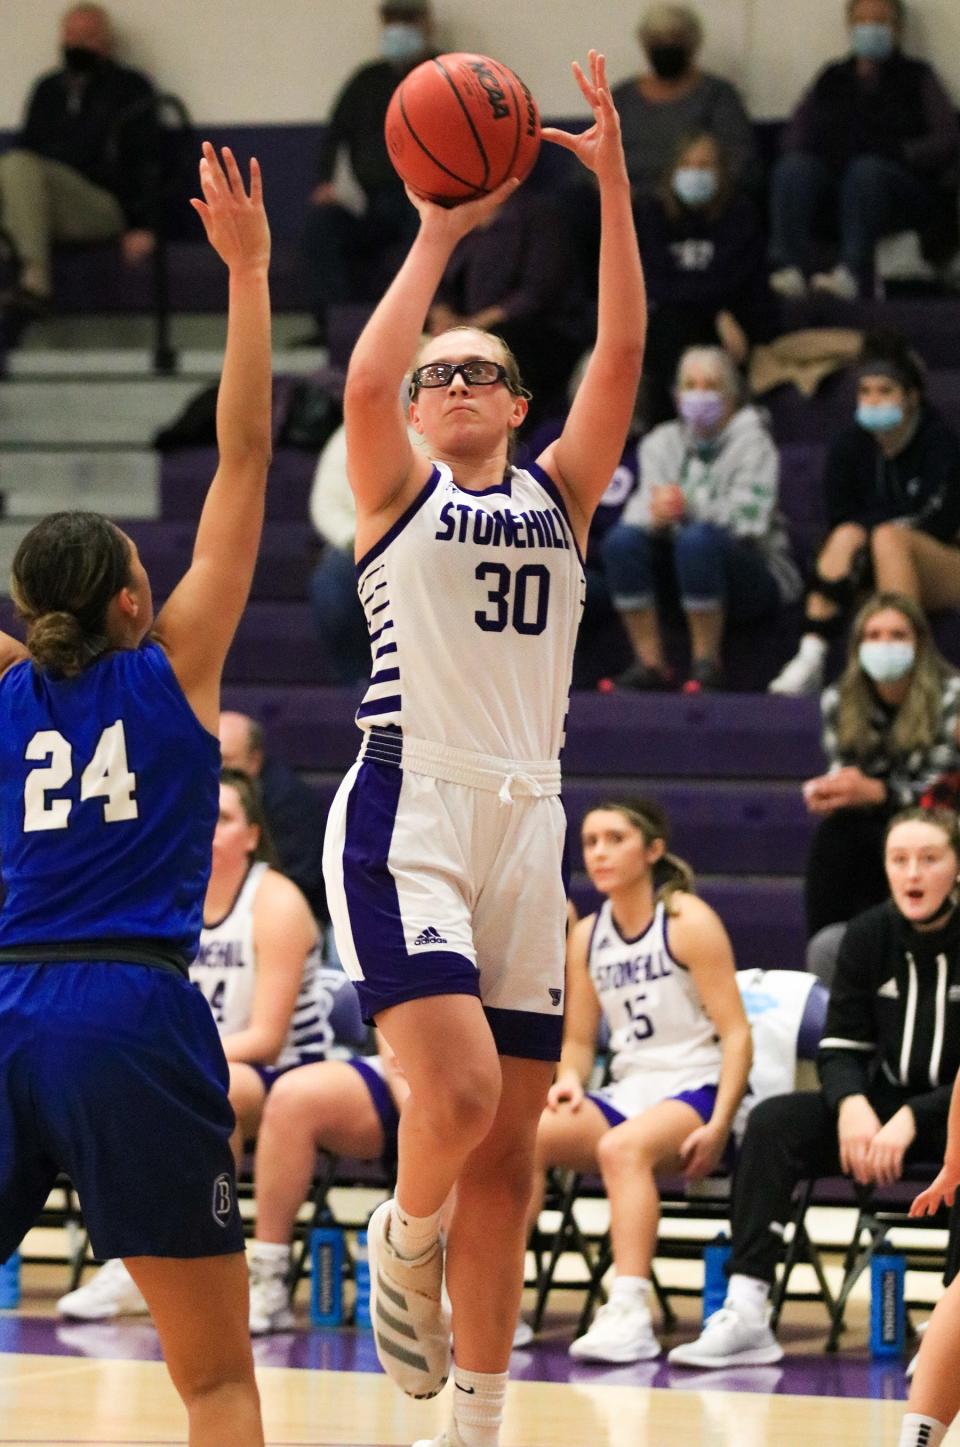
{"type": "Point", "coordinates": [656, 1021]}
{"type": "Point", "coordinates": [473, 601]}
{"type": "Point", "coordinates": [225, 973]}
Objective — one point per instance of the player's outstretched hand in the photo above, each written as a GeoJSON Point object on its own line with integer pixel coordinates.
{"type": "Point", "coordinates": [233, 218]}
{"type": "Point", "coordinates": [453, 222]}
{"type": "Point", "coordinates": [939, 1193]}
{"type": "Point", "coordinates": [600, 148]}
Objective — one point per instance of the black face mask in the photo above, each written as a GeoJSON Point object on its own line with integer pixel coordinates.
{"type": "Point", "coordinates": [668, 61]}
{"type": "Point", "coordinates": [80, 60]}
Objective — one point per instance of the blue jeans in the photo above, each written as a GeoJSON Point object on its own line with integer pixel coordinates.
{"type": "Point", "coordinates": [873, 198]}
{"type": "Point", "coordinates": [713, 570]}
{"type": "Point", "coordinates": [339, 617]}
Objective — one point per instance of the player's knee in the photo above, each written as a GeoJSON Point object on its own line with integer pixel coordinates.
{"type": "Point", "coordinates": [617, 1153]}
{"type": "Point", "coordinates": [465, 1108]}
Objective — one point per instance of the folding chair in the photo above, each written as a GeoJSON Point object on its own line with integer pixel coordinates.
{"type": "Point", "coordinates": [879, 1209]}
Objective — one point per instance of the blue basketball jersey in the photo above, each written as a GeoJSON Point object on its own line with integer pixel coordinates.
{"type": "Point", "coordinates": [109, 790]}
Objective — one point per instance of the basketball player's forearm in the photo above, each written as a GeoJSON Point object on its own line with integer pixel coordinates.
{"type": "Point", "coordinates": [735, 1066]}
{"type": "Point", "coordinates": [622, 298]}
{"type": "Point", "coordinates": [576, 1059]}
{"type": "Point", "coordinates": [244, 398]}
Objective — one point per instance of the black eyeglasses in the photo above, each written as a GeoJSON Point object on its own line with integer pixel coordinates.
{"type": "Point", "coordinates": [478, 373]}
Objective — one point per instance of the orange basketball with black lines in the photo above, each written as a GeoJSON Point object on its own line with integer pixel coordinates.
{"type": "Point", "coordinates": [460, 125]}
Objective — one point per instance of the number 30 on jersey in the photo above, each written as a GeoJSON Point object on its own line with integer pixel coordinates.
{"type": "Point", "coordinates": [106, 776]}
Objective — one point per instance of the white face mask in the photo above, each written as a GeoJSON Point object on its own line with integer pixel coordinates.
{"type": "Point", "coordinates": [887, 662]}
{"type": "Point", "coordinates": [400, 42]}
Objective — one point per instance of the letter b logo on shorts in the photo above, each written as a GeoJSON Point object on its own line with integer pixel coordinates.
{"type": "Point", "coordinates": [223, 1199]}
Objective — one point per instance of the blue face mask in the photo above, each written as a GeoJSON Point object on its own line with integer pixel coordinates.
{"type": "Point", "coordinates": [871, 42]}
{"type": "Point", "coordinates": [879, 416]}
{"type": "Point", "coordinates": [887, 662]}
{"type": "Point", "coordinates": [695, 185]}
{"type": "Point", "coordinates": [400, 42]}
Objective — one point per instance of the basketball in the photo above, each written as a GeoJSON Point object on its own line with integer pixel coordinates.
{"type": "Point", "coordinates": [460, 125]}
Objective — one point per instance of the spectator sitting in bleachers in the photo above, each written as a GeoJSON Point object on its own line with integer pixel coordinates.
{"type": "Point", "coordinates": [884, 1096]}
{"type": "Point", "coordinates": [348, 1107]}
{"type": "Point", "coordinates": [514, 275]}
{"type": "Point", "coordinates": [294, 814]}
{"type": "Point", "coordinates": [78, 169]}
{"type": "Point", "coordinates": [874, 144]}
{"type": "Point", "coordinates": [892, 499]}
{"type": "Point", "coordinates": [890, 730]}
{"type": "Point", "coordinates": [706, 506]}
{"type": "Point", "coordinates": [678, 99]}
{"type": "Point", "coordinates": [258, 966]}
{"type": "Point", "coordinates": [704, 260]}
{"type": "Point", "coordinates": [656, 964]}
{"type": "Point", "coordinates": [335, 239]}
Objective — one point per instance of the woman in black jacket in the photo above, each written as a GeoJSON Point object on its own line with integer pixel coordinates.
{"type": "Point", "coordinates": [887, 1060]}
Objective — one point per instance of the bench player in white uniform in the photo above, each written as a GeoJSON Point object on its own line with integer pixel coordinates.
{"type": "Point", "coordinates": [444, 845]}
{"type": "Point", "coordinates": [258, 967]}
{"type": "Point", "coordinates": [655, 964]}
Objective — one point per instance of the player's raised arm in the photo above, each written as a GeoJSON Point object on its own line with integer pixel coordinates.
{"type": "Point", "coordinates": [584, 457]}
{"type": "Point", "coordinates": [381, 464]}
{"type": "Point", "coordinates": [197, 625]}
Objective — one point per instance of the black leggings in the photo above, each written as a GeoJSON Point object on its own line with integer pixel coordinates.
{"type": "Point", "coordinates": [790, 1138]}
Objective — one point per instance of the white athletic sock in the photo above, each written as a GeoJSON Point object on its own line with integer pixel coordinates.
{"type": "Point", "coordinates": [919, 1431]}
{"type": "Point", "coordinates": [631, 1288]}
{"type": "Point", "coordinates": [749, 1296]}
{"type": "Point", "coordinates": [478, 1399]}
{"type": "Point", "coordinates": [410, 1236]}
{"type": "Point", "coordinates": [270, 1253]}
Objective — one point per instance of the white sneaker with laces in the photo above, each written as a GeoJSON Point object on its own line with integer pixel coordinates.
{"type": "Point", "coordinates": [622, 1331]}
{"type": "Point", "coordinates": [269, 1297]}
{"type": "Point", "coordinates": [449, 1438]}
{"type": "Point", "coordinates": [112, 1292]}
{"type": "Point", "coordinates": [410, 1324]}
{"type": "Point", "coordinates": [802, 675]}
{"type": "Point", "coordinates": [728, 1339]}
{"type": "Point", "coordinates": [840, 282]}
{"type": "Point", "coordinates": [789, 281]}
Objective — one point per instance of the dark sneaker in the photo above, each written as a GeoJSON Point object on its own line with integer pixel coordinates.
{"type": "Point", "coordinates": [706, 676]}
{"type": "Point", "coordinates": [642, 677]}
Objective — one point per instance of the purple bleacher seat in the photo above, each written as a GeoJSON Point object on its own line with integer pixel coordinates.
{"type": "Point", "coordinates": [185, 476]}
{"type": "Point", "coordinates": [287, 553]}
{"type": "Point", "coordinates": [721, 828]}
{"type": "Point", "coordinates": [930, 323]}
{"type": "Point", "coordinates": [276, 643]}
{"type": "Point", "coordinates": [719, 735]}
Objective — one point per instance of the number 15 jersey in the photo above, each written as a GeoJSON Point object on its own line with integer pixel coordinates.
{"type": "Point", "coordinates": [108, 800]}
{"type": "Point", "coordinates": [473, 601]}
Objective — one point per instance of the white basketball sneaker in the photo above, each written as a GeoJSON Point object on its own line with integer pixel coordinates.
{"type": "Point", "coordinates": [804, 673]}
{"type": "Point", "coordinates": [729, 1339]}
{"type": "Point", "coordinates": [269, 1294]}
{"type": "Point", "coordinates": [622, 1331]}
{"type": "Point", "coordinates": [112, 1292]}
{"type": "Point", "coordinates": [411, 1326]}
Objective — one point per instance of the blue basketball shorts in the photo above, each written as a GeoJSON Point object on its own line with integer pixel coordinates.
{"type": "Point", "coordinates": [370, 1070]}
{"type": "Point", "coordinates": [622, 1101]}
{"type": "Point", "coordinates": [114, 1074]}
{"type": "Point", "coordinates": [445, 875]}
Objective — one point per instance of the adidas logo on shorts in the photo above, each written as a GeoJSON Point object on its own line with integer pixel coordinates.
{"type": "Point", "coordinates": [429, 936]}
